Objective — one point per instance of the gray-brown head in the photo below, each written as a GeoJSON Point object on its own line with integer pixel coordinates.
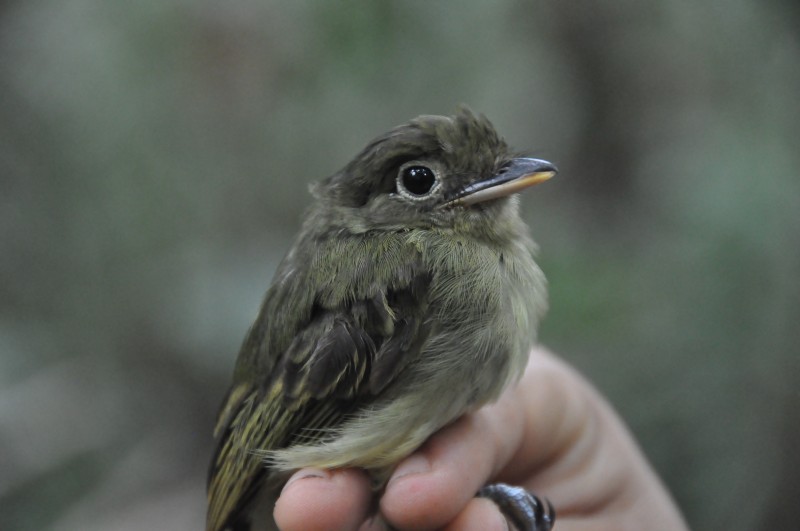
{"type": "Point", "coordinates": [432, 171]}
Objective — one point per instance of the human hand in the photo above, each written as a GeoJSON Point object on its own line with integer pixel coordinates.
{"type": "Point", "coordinates": [552, 434]}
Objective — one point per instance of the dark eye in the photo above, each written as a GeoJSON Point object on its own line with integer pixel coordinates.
{"type": "Point", "coordinates": [416, 180]}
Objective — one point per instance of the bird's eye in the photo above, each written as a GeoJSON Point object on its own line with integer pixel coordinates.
{"type": "Point", "coordinates": [416, 181]}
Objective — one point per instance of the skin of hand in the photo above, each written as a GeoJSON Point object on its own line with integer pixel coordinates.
{"type": "Point", "coordinates": [552, 433]}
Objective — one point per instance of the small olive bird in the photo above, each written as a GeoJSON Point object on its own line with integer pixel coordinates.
{"type": "Point", "coordinates": [409, 298]}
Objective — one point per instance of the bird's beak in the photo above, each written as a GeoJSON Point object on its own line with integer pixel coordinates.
{"type": "Point", "coordinates": [518, 175]}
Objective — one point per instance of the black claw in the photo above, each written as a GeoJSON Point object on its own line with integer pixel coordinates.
{"type": "Point", "coordinates": [522, 509]}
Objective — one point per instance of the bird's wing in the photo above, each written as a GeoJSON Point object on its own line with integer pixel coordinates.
{"type": "Point", "coordinates": [341, 358]}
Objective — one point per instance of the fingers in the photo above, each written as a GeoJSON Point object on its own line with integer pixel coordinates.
{"type": "Point", "coordinates": [434, 487]}
{"type": "Point", "coordinates": [319, 499]}
{"type": "Point", "coordinates": [572, 450]}
{"type": "Point", "coordinates": [556, 411]}
{"type": "Point", "coordinates": [323, 499]}
{"type": "Point", "coordinates": [480, 514]}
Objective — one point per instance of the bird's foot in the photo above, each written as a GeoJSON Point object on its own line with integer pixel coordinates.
{"type": "Point", "coordinates": [521, 508]}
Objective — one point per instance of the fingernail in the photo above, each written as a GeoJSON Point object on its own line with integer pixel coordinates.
{"type": "Point", "coordinates": [306, 473]}
{"type": "Point", "coordinates": [416, 464]}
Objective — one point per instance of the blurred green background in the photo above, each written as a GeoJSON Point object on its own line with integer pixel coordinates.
{"type": "Point", "coordinates": [154, 162]}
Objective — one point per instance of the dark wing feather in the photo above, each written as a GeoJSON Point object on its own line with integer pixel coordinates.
{"type": "Point", "coordinates": [336, 362]}
{"type": "Point", "coordinates": [329, 358]}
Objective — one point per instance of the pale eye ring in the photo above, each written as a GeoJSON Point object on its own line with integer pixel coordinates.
{"type": "Point", "coordinates": [417, 181]}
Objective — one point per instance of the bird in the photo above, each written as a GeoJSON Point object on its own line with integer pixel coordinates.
{"type": "Point", "coordinates": [409, 298]}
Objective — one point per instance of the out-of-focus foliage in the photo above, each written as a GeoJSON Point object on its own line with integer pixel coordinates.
{"type": "Point", "coordinates": [154, 159]}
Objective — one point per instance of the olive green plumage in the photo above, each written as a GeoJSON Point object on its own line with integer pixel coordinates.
{"type": "Point", "coordinates": [397, 309]}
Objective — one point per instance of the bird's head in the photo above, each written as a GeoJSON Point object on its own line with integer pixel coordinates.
{"type": "Point", "coordinates": [434, 171]}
